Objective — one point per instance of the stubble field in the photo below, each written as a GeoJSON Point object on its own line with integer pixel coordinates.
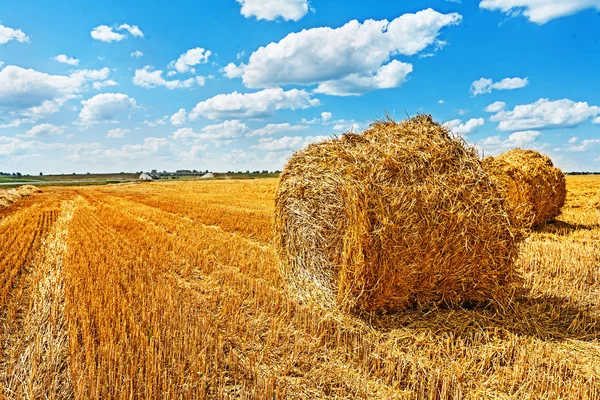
{"type": "Point", "coordinates": [170, 290]}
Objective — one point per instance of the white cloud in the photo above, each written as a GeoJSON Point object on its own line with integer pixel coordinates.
{"type": "Point", "coordinates": [539, 11]}
{"type": "Point", "coordinates": [179, 117]}
{"type": "Point", "coordinates": [457, 127]}
{"type": "Point", "coordinates": [117, 133]}
{"type": "Point", "coordinates": [106, 33]}
{"type": "Point", "coordinates": [522, 138]}
{"type": "Point", "coordinates": [7, 34]}
{"type": "Point", "coordinates": [252, 105]}
{"type": "Point", "coordinates": [137, 54]}
{"type": "Point", "coordinates": [151, 147]}
{"type": "Point", "coordinates": [545, 114]}
{"type": "Point", "coordinates": [43, 130]}
{"type": "Point", "coordinates": [147, 78]}
{"type": "Point", "coordinates": [29, 95]}
{"type": "Point", "coordinates": [102, 84]}
{"type": "Point", "coordinates": [232, 71]}
{"type": "Point", "coordinates": [326, 116]}
{"type": "Point", "coordinates": [495, 107]}
{"type": "Point", "coordinates": [190, 58]}
{"type": "Point", "coordinates": [20, 87]}
{"type": "Point", "coordinates": [573, 139]}
{"type": "Point", "coordinates": [62, 58]}
{"type": "Point", "coordinates": [346, 126]}
{"type": "Point", "coordinates": [287, 143]}
{"type": "Point", "coordinates": [441, 101]}
{"type": "Point", "coordinates": [584, 145]}
{"type": "Point", "coordinates": [319, 55]}
{"type": "Point", "coordinates": [596, 120]}
{"type": "Point", "coordinates": [273, 9]}
{"type": "Point", "coordinates": [105, 107]}
{"type": "Point", "coordinates": [159, 121]}
{"type": "Point", "coordinates": [388, 76]}
{"type": "Point", "coordinates": [232, 129]}
{"type": "Point", "coordinates": [485, 85]}
{"type": "Point", "coordinates": [46, 108]}
{"type": "Point", "coordinates": [134, 30]}
{"type": "Point", "coordinates": [273, 129]}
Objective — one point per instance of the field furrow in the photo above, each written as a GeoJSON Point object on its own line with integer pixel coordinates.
{"type": "Point", "coordinates": [37, 358]}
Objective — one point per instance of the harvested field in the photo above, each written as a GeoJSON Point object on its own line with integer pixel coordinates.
{"type": "Point", "coordinates": [172, 290]}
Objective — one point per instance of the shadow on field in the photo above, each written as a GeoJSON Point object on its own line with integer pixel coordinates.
{"type": "Point", "coordinates": [546, 318]}
{"type": "Point", "coordinates": [564, 228]}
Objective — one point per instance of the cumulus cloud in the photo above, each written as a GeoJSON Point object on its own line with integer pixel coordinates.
{"type": "Point", "coordinates": [252, 105]}
{"type": "Point", "coordinates": [584, 145]}
{"type": "Point", "coordinates": [495, 107]}
{"type": "Point", "coordinates": [190, 58]}
{"type": "Point", "coordinates": [150, 147]}
{"type": "Point", "coordinates": [137, 54]}
{"type": "Point", "coordinates": [485, 85]}
{"type": "Point", "coordinates": [355, 50]}
{"type": "Point", "coordinates": [105, 107]}
{"type": "Point", "coordinates": [149, 78]}
{"type": "Point", "coordinates": [346, 126]}
{"type": "Point", "coordinates": [273, 129]}
{"type": "Point", "coordinates": [159, 121]}
{"type": "Point", "coordinates": [287, 143]}
{"type": "Point", "coordinates": [232, 71]}
{"type": "Point", "coordinates": [522, 138]}
{"type": "Point", "coordinates": [63, 58]}
{"type": "Point", "coordinates": [545, 114]}
{"type": "Point", "coordinates": [389, 76]}
{"type": "Point", "coordinates": [29, 95]}
{"type": "Point", "coordinates": [273, 9]}
{"type": "Point", "coordinates": [7, 34]}
{"type": "Point", "coordinates": [539, 11]}
{"type": "Point", "coordinates": [117, 133]}
{"type": "Point", "coordinates": [496, 145]}
{"type": "Point", "coordinates": [231, 129]}
{"type": "Point", "coordinates": [102, 84]}
{"type": "Point", "coordinates": [134, 30]}
{"type": "Point", "coordinates": [326, 116]}
{"type": "Point", "coordinates": [596, 120]}
{"type": "Point", "coordinates": [179, 117]}
{"type": "Point", "coordinates": [20, 87]}
{"type": "Point", "coordinates": [107, 33]}
{"type": "Point", "coordinates": [457, 127]}
{"type": "Point", "coordinates": [43, 130]}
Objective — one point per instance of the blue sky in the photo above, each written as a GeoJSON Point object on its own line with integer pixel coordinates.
{"type": "Point", "coordinates": [110, 86]}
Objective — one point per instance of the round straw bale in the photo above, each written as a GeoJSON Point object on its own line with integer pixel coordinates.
{"type": "Point", "coordinates": [533, 189]}
{"type": "Point", "coordinates": [402, 215]}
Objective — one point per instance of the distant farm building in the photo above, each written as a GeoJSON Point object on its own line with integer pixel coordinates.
{"type": "Point", "coordinates": [146, 177]}
{"type": "Point", "coordinates": [207, 176]}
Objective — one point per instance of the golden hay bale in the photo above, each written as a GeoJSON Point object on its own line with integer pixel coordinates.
{"type": "Point", "coordinates": [401, 215]}
{"type": "Point", "coordinates": [27, 190]}
{"type": "Point", "coordinates": [533, 189]}
{"type": "Point", "coordinates": [12, 195]}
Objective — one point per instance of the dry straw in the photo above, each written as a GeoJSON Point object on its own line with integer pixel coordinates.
{"type": "Point", "coordinates": [534, 190]}
{"type": "Point", "coordinates": [10, 196]}
{"type": "Point", "coordinates": [401, 215]}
